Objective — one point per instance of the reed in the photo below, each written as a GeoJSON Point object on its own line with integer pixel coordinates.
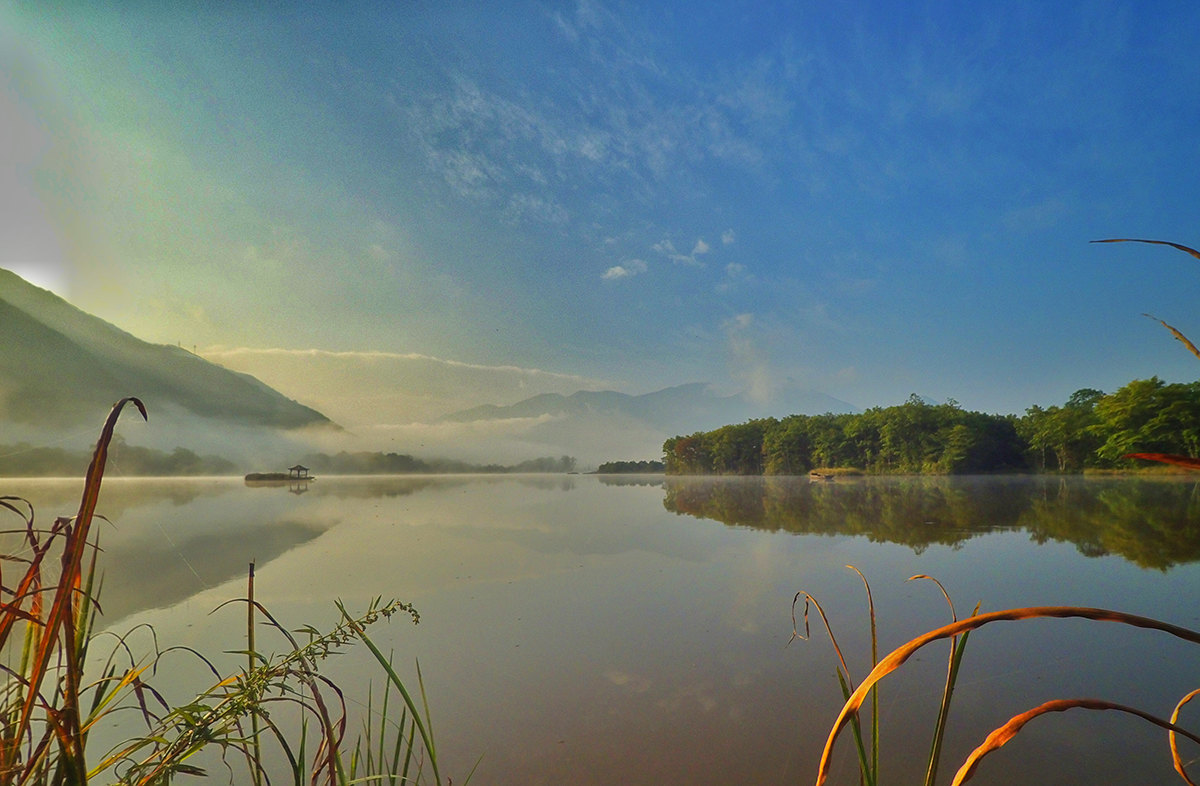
{"type": "Point", "coordinates": [868, 765]}
{"type": "Point", "coordinates": [49, 705]}
{"type": "Point", "coordinates": [899, 656]}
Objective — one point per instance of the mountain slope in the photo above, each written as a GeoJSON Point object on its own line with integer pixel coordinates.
{"type": "Point", "coordinates": [62, 366]}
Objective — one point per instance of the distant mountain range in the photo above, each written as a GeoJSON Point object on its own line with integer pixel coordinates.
{"type": "Point", "coordinates": [60, 366]}
{"type": "Point", "coordinates": [682, 409]}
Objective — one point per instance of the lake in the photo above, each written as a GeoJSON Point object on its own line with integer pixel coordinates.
{"type": "Point", "coordinates": [635, 630]}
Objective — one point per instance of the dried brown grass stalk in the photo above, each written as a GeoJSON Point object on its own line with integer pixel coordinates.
{"type": "Point", "coordinates": [1178, 335]}
{"type": "Point", "coordinates": [1182, 248]}
{"type": "Point", "coordinates": [901, 654]}
{"type": "Point", "coordinates": [999, 737]}
{"type": "Point", "coordinates": [1175, 757]}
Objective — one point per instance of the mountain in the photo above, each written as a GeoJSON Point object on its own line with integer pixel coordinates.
{"type": "Point", "coordinates": [605, 425]}
{"type": "Point", "coordinates": [682, 408]}
{"type": "Point", "coordinates": [60, 366]}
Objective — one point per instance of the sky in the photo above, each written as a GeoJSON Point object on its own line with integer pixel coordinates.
{"type": "Point", "coordinates": [445, 204]}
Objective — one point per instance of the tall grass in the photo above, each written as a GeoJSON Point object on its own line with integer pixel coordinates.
{"type": "Point", "coordinates": [868, 764]}
{"type": "Point", "coordinates": [49, 706]}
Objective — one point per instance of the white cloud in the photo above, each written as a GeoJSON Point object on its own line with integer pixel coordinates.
{"type": "Point", "coordinates": [700, 248]}
{"type": "Point", "coordinates": [667, 249]}
{"type": "Point", "coordinates": [728, 238]}
{"type": "Point", "coordinates": [631, 268]}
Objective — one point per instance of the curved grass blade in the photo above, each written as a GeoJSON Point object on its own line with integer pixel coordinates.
{"type": "Point", "coordinates": [901, 654]}
{"type": "Point", "coordinates": [958, 646]}
{"type": "Point", "coordinates": [394, 678]}
{"type": "Point", "coordinates": [1176, 759]}
{"type": "Point", "coordinates": [1177, 334]}
{"type": "Point", "coordinates": [1184, 249]}
{"type": "Point", "coordinates": [999, 737]}
{"type": "Point", "coordinates": [874, 693]}
{"type": "Point", "coordinates": [843, 674]}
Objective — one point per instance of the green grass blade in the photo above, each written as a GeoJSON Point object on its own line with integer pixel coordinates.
{"type": "Point", "coordinates": [394, 678]}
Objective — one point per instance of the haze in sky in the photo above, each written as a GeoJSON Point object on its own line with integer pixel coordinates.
{"type": "Point", "coordinates": [493, 200]}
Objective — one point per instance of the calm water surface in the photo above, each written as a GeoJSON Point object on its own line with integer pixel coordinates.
{"type": "Point", "coordinates": [594, 630]}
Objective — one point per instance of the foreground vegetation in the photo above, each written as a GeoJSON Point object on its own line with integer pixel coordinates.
{"type": "Point", "coordinates": [866, 734]}
{"type": "Point", "coordinates": [1127, 424]}
{"type": "Point", "coordinates": [1092, 430]}
{"type": "Point", "coordinates": [51, 703]}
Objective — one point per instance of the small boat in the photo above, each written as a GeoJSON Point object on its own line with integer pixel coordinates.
{"type": "Point", "coordinates": [820, 477]}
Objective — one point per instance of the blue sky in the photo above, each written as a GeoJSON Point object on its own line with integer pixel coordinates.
{"type": "Point", "coordinates": [866, 199]}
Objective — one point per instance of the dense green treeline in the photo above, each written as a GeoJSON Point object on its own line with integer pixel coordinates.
{"type": "Point", "coordinates": [1091, 430]}
{"type": "Point", "coordinates": [370, 463]}
{"type": "Point", "coordinates": [629, 467]}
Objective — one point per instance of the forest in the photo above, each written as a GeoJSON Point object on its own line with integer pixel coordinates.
{"type": "Point", "coordinates": [1091, 430]}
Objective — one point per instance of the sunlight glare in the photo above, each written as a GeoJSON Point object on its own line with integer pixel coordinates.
{"type": "Point", "coordinates": [46, 276]}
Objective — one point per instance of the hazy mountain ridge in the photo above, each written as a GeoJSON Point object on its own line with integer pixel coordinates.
{"type": "Point", "coordinates": [683, 408]}
{"type": "Point", "coordinates": [61, 366]}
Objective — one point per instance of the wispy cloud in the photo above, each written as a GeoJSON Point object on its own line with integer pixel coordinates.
{"type": "Point", "coordinates": [747, 360]}
{"type": "Point", "coordinates": [625, 270]}
{"type": "Point", "coordinates": [667, 249]}
{"type": "Point", "coordinates": [366, 388]}
{"type": "Point", "coordinates": [624, 123]}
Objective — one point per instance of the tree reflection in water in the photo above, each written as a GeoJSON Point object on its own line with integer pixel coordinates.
{"type": "Point", "coordinates": [1152, 522]}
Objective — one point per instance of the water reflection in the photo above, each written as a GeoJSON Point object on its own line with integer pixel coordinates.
{"type": "Point", "coordinates": [163, 540]}
{"type": "Point", "coordinates": [580, 629]}
{"type": "Point", "coordinates": [1152, 522]}
{"type": "Point", "coordinates": [631, 480]}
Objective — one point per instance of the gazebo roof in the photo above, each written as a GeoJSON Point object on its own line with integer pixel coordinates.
{"type": "Point", "coordinates": [298, 468]}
